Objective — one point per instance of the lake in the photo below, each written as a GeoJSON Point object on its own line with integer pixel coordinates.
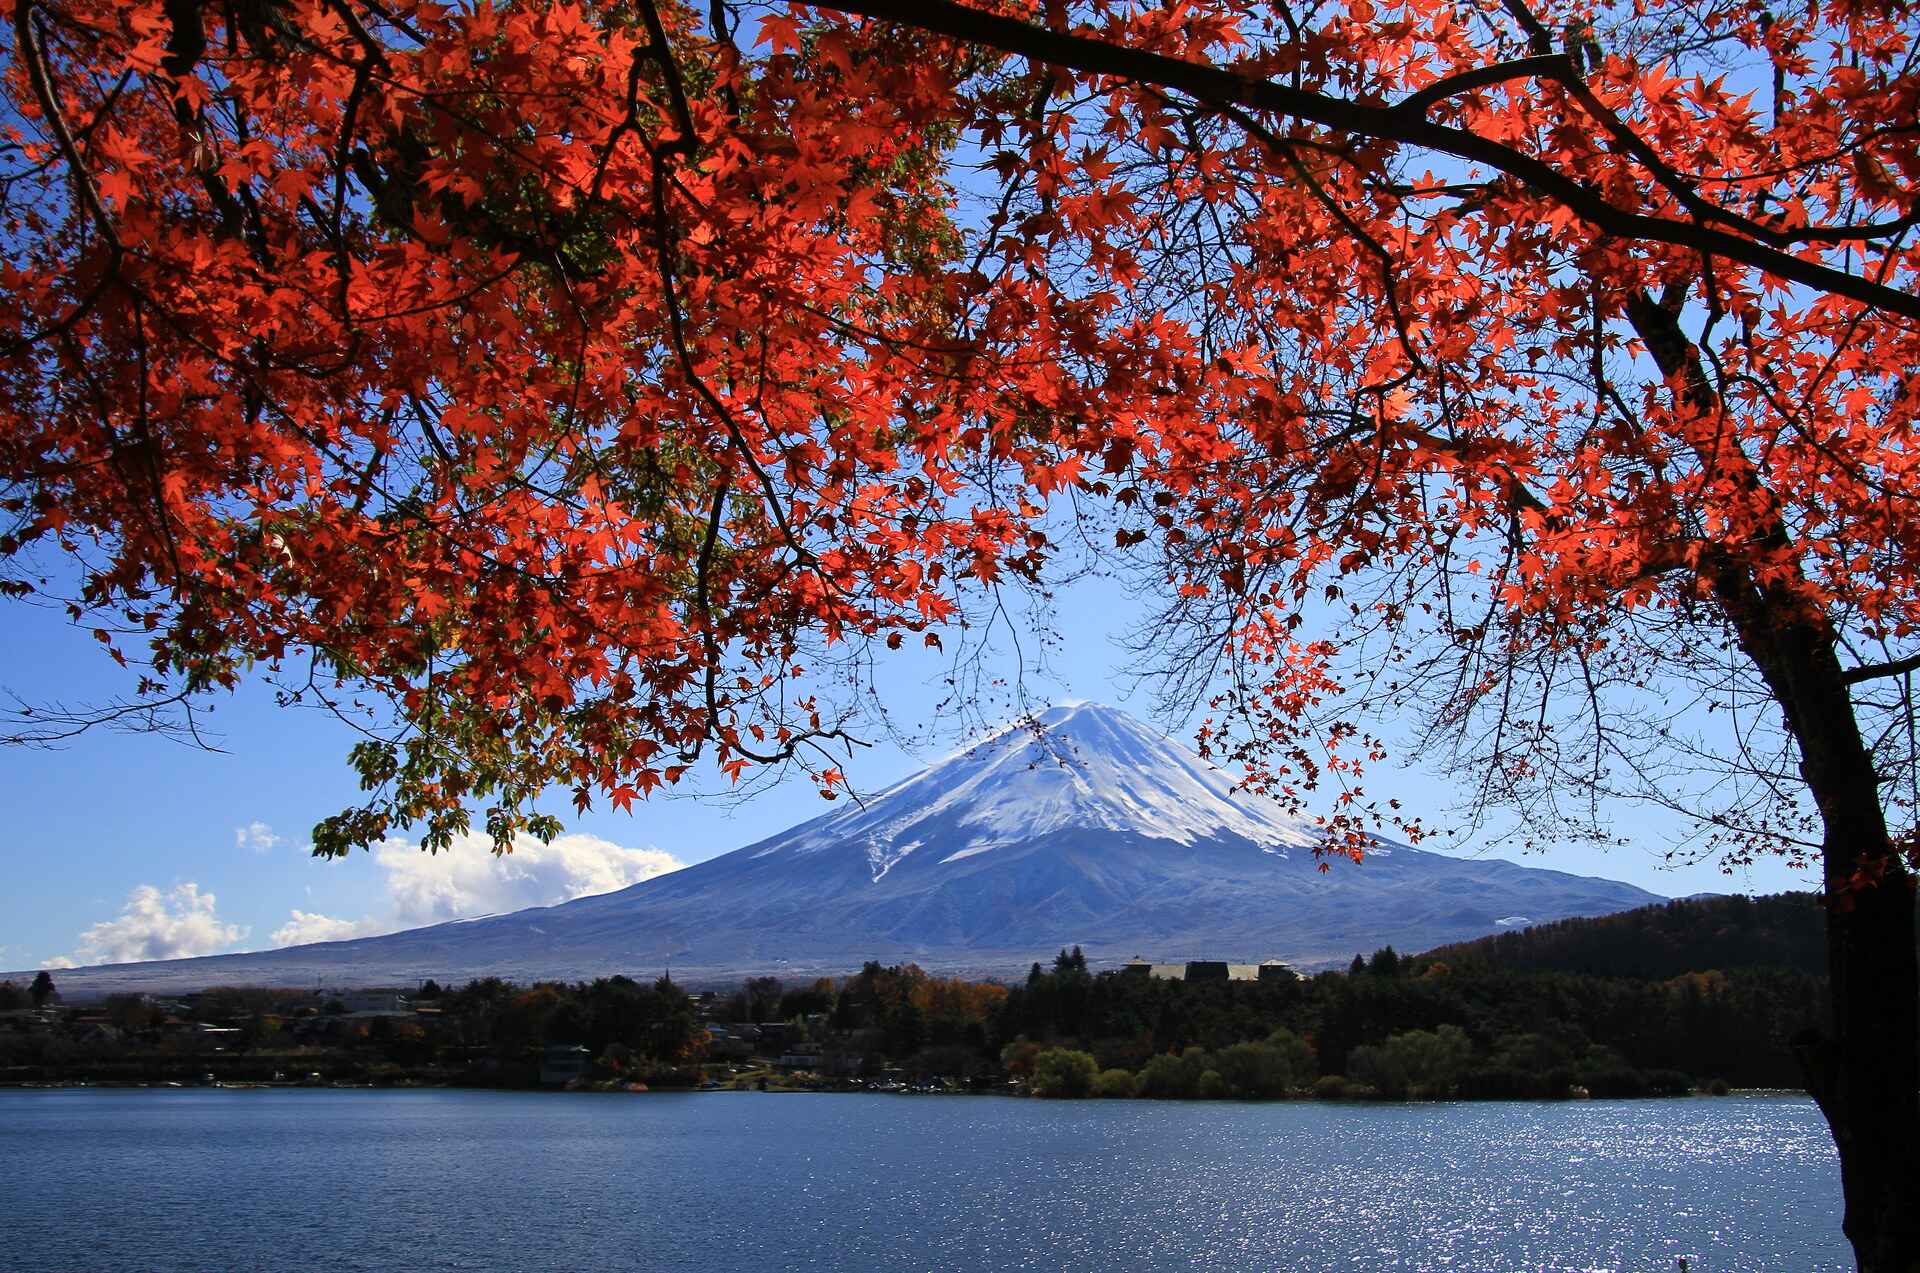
{"type": "Point", "coordinates": [412, 1181]}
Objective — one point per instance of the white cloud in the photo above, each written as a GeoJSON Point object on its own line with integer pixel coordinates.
{"type": "Point", "coordinates": [156, 925]}
{"type": "Point", "coordinates": [468, 880]}
{"type": "Point", "coordinates": [471, 880]}
{"type": "Point", "coordinates": [58, 961]}
{"type": "Point", "coordinates": [255, 836]}
{"type": "Point", "coordinates": [309, 926]}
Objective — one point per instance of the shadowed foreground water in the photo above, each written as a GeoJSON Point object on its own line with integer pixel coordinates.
{"type": "Point", "coordinates": [171, 1181]}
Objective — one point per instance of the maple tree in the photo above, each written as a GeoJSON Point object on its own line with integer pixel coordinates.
{"type": "Point", "coordinates": [431, 355]}
{"type": "Point", "coordinates": [564, 376]}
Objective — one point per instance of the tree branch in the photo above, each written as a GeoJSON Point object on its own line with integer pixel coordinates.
{"type": "Point", "coordinates": [1208, 83]}
{"type": "Point", "coordinates": [1876, 671]}
{"type": "Point", "coordinates": [1420, 103]}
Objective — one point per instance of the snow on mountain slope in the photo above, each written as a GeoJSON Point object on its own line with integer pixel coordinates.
{"type": "Point", "coordinates": [1081, 766]}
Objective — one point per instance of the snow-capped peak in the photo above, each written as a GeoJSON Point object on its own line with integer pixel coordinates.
{"type": "Point", "coordinates": [1079, 766]}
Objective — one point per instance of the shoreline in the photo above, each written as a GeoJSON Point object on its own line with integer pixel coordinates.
{"type": "Point", "coordinates": [841, 1090]}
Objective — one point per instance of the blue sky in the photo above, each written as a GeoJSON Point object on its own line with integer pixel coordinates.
{"type": "Point", "coordinates": [126, 845]}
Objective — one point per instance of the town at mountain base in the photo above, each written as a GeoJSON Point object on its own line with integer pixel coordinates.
{"type": "Point", "coordinates": [1081, 826]}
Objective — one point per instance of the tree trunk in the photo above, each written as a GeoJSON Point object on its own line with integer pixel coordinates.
{"type": "Point", "coordinates": [1866, 1078]}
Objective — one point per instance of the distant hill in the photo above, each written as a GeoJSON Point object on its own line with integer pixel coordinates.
{"type": "Point", "coordinates": [1695, 934]}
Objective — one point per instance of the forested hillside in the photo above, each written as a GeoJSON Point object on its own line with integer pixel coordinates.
{"type": "Point", "coordinates": [1785, 930]}
{"type": "Point", "coordinates": [1515, 1026]}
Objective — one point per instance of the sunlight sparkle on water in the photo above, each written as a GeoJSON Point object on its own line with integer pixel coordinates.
{"type": "Point", "coordinates": [419, 1181]}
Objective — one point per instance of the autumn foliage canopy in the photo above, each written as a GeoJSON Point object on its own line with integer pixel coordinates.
{"type": "Point", "coordinates": [567, 376]}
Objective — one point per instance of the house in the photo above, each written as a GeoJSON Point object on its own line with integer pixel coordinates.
{"type": "Point", "coordinates": [94, 1032]}
{"type": "Point", "coordinates": [374, 1001]}
{"type": "Point", "coordinates": [725, 1045]}
{"type": "Point", "coordinates": [351, 1001]}
{"type": "Point", "coordinates": [197, 1036]}
{"type": "Point", "coordinates": [801, 1056]}
{"type": "Point", "coordinates": [564, 1063]}
{"type": "Point", "coordinates": [1159, 972]}
{"type": "Point", "coordinates": [27, 1021]}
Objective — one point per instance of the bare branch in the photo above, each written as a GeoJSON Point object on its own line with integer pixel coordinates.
{"type": "Point", "coordinates": [1875, 671]}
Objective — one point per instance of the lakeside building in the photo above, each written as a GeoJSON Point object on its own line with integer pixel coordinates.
{"type": "Point", "coordinates": [564, 1063]}
{"type": "Point", "coordinates": [1210, 970]}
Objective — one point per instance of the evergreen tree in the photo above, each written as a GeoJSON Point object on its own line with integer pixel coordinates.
{"type": "Point", "coordinates": [763, 997]}
{"type": "Point", "coordinates": [42, 988]}
{"type": "Point", "coordinates": [800, 1001]}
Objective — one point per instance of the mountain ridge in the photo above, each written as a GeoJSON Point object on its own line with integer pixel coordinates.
{"type": "Point", "coordinates": [1077, 826]}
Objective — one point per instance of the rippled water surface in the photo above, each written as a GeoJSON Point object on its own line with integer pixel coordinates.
{"type": "Point", "coordinates": [165, 1181]}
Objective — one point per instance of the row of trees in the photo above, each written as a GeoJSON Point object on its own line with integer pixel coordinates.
{"type": "Point", "coordinates": [634, 1024]}
{"type": "Point", "coordinates": [489, 1030]}
{"type": "Point", "coordinates": [1735, 1024]}
{"type": "Point", "coordinates": [1474, 1027]}
{"type": "Point", "coordinates": [37, 992]}
{"type": "Point", "coordinates": [1434, 1064]}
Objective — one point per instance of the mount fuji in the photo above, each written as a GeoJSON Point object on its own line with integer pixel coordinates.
{"type": "Point", "coordinates": [1079, 826]}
